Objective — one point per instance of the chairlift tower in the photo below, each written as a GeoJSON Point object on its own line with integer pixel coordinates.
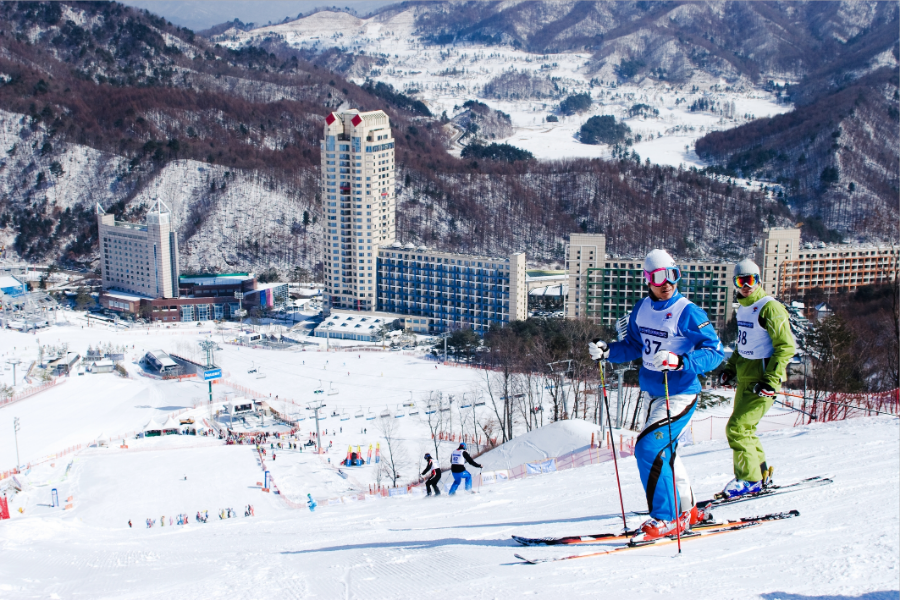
{"type": "Point", "coordinates": [316, 407]}
{"type": "Point", "coordinates": [14, 362]}
{"type": "Point", "coordinates": [209, 347]}
{"type": "Point", "coordinates": [563, 372]}
{"type": "Point", "coordinates": [241, 313]}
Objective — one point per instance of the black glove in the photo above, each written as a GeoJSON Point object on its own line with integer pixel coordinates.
{"type": "Point", "coordinates": [764, 390]}
{"type": "Point", "coordinates": [726, 378]}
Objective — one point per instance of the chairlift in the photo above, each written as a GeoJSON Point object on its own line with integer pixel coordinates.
{"type": "Point", "coordinates": [481, 403]}
{"type": "Point", "coordinates": [345, 416]}
{"type": "Point", "coordinates": [331, 390]}
{"type": "Point", "coordinates": [370, 416]}
{"type": "Point", "coordinates": [334, 413]}
{"type": "Point", "coordinates": [386, 413]}
{"type": "Point", "coordinates": [399, 412]}
{"type": "Point", "coordinates": [359, 415]}
{"type": "Point", "coordinates": [430, 409]}
{"type": "Point", "coordinates": [259, 373]}
{"type": "Point", "coordinates": [252, 368]}
{"type": "Point", "coordinates": [321, 390]}
{"type": "Point", "coordinates": [445, 408]}
{"type": "Point", "coordinates": [414, 411]}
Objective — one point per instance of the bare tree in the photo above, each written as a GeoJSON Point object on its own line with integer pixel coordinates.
{"type": "Point", "coordinates": [395, 456]}
{"type": "Point", "coordinates": [433, 417]}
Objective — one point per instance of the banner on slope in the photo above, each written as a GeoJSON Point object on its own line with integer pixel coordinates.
{"type": "Point", "coordinates": [547, 466]}
{"type": "Point", "coordinates": [490, 477]}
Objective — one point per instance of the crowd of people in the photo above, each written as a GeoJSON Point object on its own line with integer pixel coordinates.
{"type": "Point", "coordinates": [202, 516]}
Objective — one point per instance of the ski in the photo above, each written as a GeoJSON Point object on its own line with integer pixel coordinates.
{"type": "Point", "coordinates": [573, 540]}
{"type": "Point", "coordinates": [772, 490]}
{"type": "Point", "coordinates": [690, 535]}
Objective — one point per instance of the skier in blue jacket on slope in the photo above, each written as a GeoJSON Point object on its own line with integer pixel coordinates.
{"type": "Point", "coordinates": [674, 337]}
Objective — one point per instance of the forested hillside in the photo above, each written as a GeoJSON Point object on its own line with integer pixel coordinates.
{"type": "Point", "coordinates": [105, 104]}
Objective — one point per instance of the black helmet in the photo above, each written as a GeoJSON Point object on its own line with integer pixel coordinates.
{"type": "Point", "coordinates": [427, 456]}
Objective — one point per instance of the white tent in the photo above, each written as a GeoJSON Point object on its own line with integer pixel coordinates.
{"type": "Point", "coordinates": [151, 426]}
{"type": "Point", "coordinates": [171, 424]}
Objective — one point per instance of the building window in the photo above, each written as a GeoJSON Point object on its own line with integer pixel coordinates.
{"type": "Point", "coordinates": [187, 313]}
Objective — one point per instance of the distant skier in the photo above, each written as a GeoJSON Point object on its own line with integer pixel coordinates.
{"type": "Point", "coordinates": [458, 460]}
{"type": "Point", "coordinates": [311, 503]}
{"type": "Point", "coordinates": [763, 349]}
{"type": "Point", "coordinates": [676, 340]}
{"type": "Point", "coordinates": [432, 474]}
{"type": "Point", "coordinates": [129, 523]}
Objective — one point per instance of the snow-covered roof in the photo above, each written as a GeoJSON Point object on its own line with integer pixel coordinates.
{"type": "Point", "coordinates": [162, 358]}
{"type": "Point", "coordinates": [550, 290]}
{"type": "Point", "coordinates": [222, 279]}
{"type": "Point", "coordinates": [126, 296]}
{"type": "Point", "coordinates": [8, 281]}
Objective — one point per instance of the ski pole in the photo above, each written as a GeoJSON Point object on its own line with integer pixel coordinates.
{"type": "Point", "coordinates": [613, 448]}
{"type": "Point", "coordinates": [880, 412]}
{"type": "Point", "coordinates": [813, 417]}
{"type": "Point", "coordinates": [672, 450]}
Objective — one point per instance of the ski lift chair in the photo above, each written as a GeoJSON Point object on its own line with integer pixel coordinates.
{"type": "Point", "coordinates": [345, 416]}
{"type": "Point", "coordinates": [359, 415]}
{"type": "Point", "coordinates": [331, 390]}
{"type": "Point", "coordinates": [370, 416]}
{"type": "Point", "coordinates": [399, 412]}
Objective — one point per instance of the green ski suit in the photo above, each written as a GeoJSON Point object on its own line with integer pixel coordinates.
{"type": "Point", "coordinates": [749, 407]}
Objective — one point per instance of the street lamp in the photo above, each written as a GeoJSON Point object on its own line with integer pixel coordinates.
{"type": "Point", "coordinates": [16, 428]}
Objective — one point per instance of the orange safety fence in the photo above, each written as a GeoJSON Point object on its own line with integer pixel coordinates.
{"type": "Point", "coordinates": [28, 392]}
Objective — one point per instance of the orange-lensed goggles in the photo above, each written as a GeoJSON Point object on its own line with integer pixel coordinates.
{"type": "Point", "coordinates": [746, 280]}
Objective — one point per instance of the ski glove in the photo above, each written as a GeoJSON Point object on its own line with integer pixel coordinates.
{"type": "Point", "coordinates": [764, 390]}
{"type": "Point", "coordinates": [726, 378]}
{"type": "Point", "coordinates": [666, 361]}
{"type": "Point", "coordinates": [599, 349]}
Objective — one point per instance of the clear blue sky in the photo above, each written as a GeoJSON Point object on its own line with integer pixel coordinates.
{"type": "Point", "coordinates": [201, 14]}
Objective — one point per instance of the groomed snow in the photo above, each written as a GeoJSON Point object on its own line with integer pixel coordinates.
{"type": "Point", "coordinates": [845, 544]}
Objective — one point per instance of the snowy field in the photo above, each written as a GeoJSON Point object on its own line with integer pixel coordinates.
{"type": "Point", "coordinates": [844, 545]}
{"type": "Point", "coordinates": [445, 77]}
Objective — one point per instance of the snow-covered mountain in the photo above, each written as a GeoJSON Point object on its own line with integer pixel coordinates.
{"type": "Point", "coordinates": [105, 104]}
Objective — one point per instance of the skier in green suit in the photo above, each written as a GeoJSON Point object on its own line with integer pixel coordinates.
{"type": "Point", "coordinates": [764, 346]}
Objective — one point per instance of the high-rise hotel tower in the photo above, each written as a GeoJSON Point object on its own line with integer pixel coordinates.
{"type": "Point", "coordinates": [139, 259]}
{"type": "Point", "coordinates": [358, 202]}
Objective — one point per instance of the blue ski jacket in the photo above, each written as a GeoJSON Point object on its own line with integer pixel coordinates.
{"type": "Point", "coordinates": [706, 355]}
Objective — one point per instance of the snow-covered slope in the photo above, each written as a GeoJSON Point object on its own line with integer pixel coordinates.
{"type": "Point", "coordinates": [548, 441]}
{"type": "Point", "coordinates": [844, 544]}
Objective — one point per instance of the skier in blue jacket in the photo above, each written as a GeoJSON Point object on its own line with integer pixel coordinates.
{"type": "Point", "coordinates": [674, 338]}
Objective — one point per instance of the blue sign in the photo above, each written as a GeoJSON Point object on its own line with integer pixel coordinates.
{"type": "Point", "coordinates": [212, 374]}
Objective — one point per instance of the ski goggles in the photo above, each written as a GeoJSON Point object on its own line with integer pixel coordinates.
{"type": "Point", "coordinates": [660, 277]}
{"type": "Point", "coordinates": [746, 280]}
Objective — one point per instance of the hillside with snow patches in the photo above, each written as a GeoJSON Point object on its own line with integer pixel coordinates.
{"type": "Point", "coordinates": [444, 77]}
{"type": "Point", "coordinates": [209, 201]}
{"type": "Point", "coordinates": [845, 543]}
